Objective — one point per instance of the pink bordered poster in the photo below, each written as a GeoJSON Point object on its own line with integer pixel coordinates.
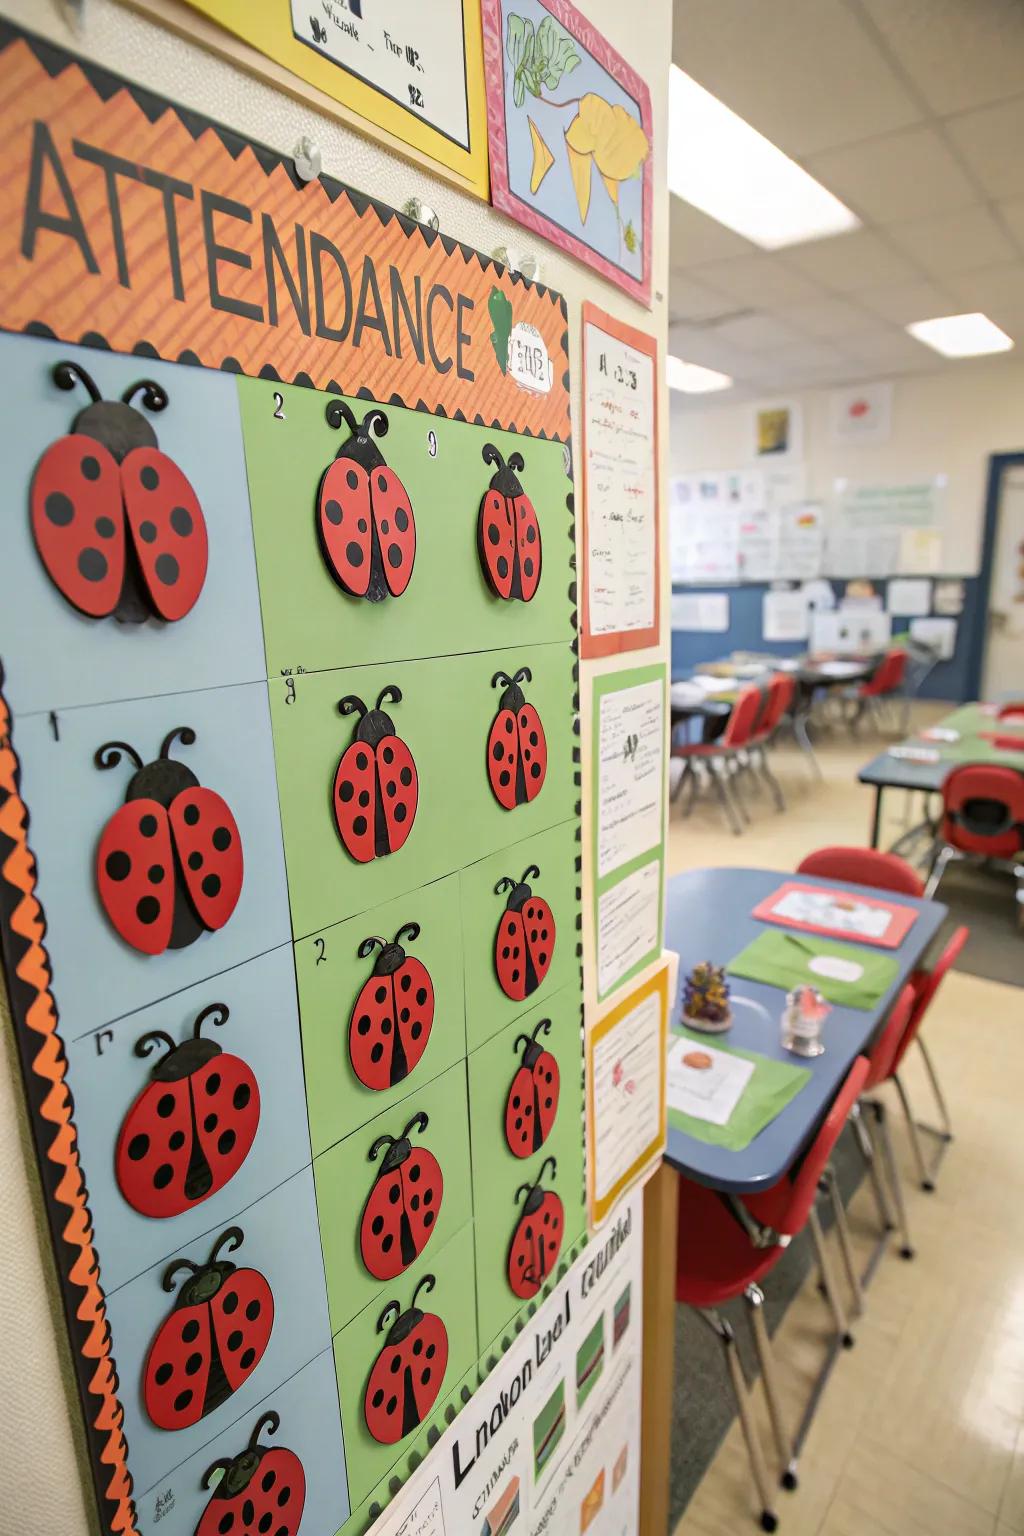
{"type": "Point", "coordinates": [569, 124]}
{"type": "Point", "coordinates": [839, 914]}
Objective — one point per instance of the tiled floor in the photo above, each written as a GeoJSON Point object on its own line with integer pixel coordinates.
{"type": "Point", "coordinates": [921, 1430]}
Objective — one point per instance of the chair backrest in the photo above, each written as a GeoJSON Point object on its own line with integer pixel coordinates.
{"type": "Point", "coordinates": [740, 725]}
{"type": "Point", "coordinates": [780, 697]}
{"type": "Point", "coordinates": [1012, 711]}
{"type": "Point", "coordinates": [983, 810]}
{"type": "Point", "coordinates": [805, 1184]}
{"type": "Point", "coordinates": [927, 989]}
{"type": "Point", "coordinates": [882, 1055]}
{"type": "Point", "coordinates": [888, 675]}
{"type": "Point", "coordinates": [863, 866]}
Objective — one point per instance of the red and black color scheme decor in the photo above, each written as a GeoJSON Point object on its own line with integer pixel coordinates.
{"type": "Point", "coordinates": [517, 749]}
{"type": "Point", "coordinates": [376, 786]}
{"type": "Point", "coordinates": [364, 514]}
{"type": "Point", "coordinates": [402, 1207]}
{"type": "Point", "coordinates": [407, 1375]}
{"type": "Point", "coordinates": [533, 1097]}
{"type": "Point", "coordinates": [525, 937]}
{"type": "Point", "coordinates": [211, 1341]}
{"type": "Point", "coordinates": [537, 1239]}
{"type": "Point", "coordinates": [393, 1015]}
{"type": "Point", "coordinates": [190, 1129]}
{"type": "Point", "coordinates": [261, 1489]}
{"type": "Point", "coordinates": [116, 522]}
{"type": "Point", "coordinates": [508, 532]}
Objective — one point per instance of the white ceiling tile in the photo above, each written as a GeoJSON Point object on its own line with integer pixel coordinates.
{"type": "Point", "coordinates": [901, 176]}
{"type": "Point", "coordinates": [954, 242]}
{"type": "Point", "coordinates": [1012, 214]}
{"type": "Point", "coordinates": [959, 53]}
{"type": "Point", "coordinates": [990, 141]}
{"type": "Point", "coordinates": [760, 281]}
{"type": "Point", "coordinates": [846, 263]}
{"type": "Point", "coordinates": [809, 356]}
{"type": "Point", "coordinates": [696, 345]}
{"type": "Point", "coordinates": [827, 317]}
{"type": "Point", "coordinates": [694, 238]}
{"type": "Point", "coordinates": [906, 302]}
{"type": "Point", "coordinates": [756, 333]}
{"type": "Point", "coordinates": [888, 347]}
{"type": "Point", "coordinates": [990, 286]}
{"type": "Point", "coordinates": [688, 300]}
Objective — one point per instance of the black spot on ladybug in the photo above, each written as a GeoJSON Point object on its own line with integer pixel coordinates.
{"type": "Point", "coordinates": [226, 1523]}
{"type": "Point", "coordinates": [193, 1363]}
{"type": "Point", "coordinates": [361, 525]}
{"type": "Point", "coordinates": [414, 1203]}
{"type": "Point", "coordinates": [241, 1096]}
{"type": "Point", "coordinates": [147, 531]}
{"type": "Point", "coordinates": [91, 467]}
{"type": "Point", "coordinates": [351, 479]}
{"type": "Point", "coordinates": [155, 874]}
{"type": "Point", "coordinates": [401, 519]}
{"type": "Point", "coordinates": [416, 1031]}
{"type": "Point", "coordinates": [364, 798]}
{"type": "Point", "coordinates": [504, 777]}
{"type": "Point", "coordinates": [354, 554]}
{"type": "Point", "coordinates": [414, 1173]}
{"type": "Point", "coordinates": [404, 1016]}
{"type": "Point", "coordinates": [428, 1219]}
{"type": "Point", "coordinates": [376, 1052]}
{"type": "Point", "coordinates": [210, 1123]}
{"type": "Point", "coordinates": [406, 776]}
{"type": "Point", "coordinates": [406, 982]}
{"type": "Point", "coordinates": [395, 1193]}
{"type": "Point", "coordinates": [211, 886]}
{"type": "Point", "coordinates": [392, 1404]}
{"type": "Point", "coordinates": [163, 1374]}
{"type": "Point", "coordinates": [59, 508]}
{"type": "Point", "coordinates": [213, 1083]}
{"type": "Point", "coordinates": [377, 1398]}
{"type": "Point", "coordinates": [401, 811]}
{"type": "Point", "coordinates": [385, 526]}
{"type": "Point", "coordinates": [381, 994]}
{"type": "Point", "coordinates": [191, 814]}
{"type": "Point", "coordinates": [252, 1311]}
{"type": "Point", "coordinates": [382, 483]}
{"type": "Point", "coordinates": [377, 1226]}
{"type": "Point", "coordinates": [248, 1512]}
{"type": "Point", "coordinates": [359, 826]}
{"type": "Point", "coordinates": [147, 826]}
{"type": "Point", "coordinates": [394, 557]}
{"type": "Point", "coordinates": [165, 1105]}
{"type": "Point", "coordinates": [149, 478]}
{"type": "Point", "coordinates": [509, 726]}
{"type": "Point", "coordinates": [542, 957]}
{"type": "Point", "coordinates": [332, 512]}
{"type": "Point", "coordinates": [92, 565]}
{"type": "Point", "coordinates": [417, 1348]}
{"type": "Point", "coordinates": [181, 522]}
{"type": "Point", "coordinates": [363, 1024]}
{"type": "Point", "coordinates": [385, 1027]}
{"type": "Point", "coordinates": [391, 789]}
{"type": "Point", "coordinates": [431, 1351]}
{"type": "Point", "coordinates": [118, 865]}
{"type": "Point", "coordinates": [493, 533]}
{"type": "Point", "coordinates": [235, 1340]}
{"type": "Point", "coordinates": [531, 536]}
{"type": "Point", "coordinates": [387, 1243]}
{"type": "Point", "coordinates": [421, 995]}
{"type": "Point", "coordinates": [501, 566]}
{"type": "Point", "coordinates": [176, 1141]}
{"type": "Point", "coordinates": [361, 761]}
{"type": "Point", "coordinates": [225, 1142]}
{"type": "Point", "coordinates": [265, 1522]}
{"type": "Point", "coordinates": [535, 770]}
{"type": "Point", "coordinates": [105, 527]}
{"type": "Point", "coordinates": [528, 566]}
{"type": "Point", "coordinates": [346, 791]}
{"type": "Point", "coordinates": [168, 569]}
{"type": "Point", "coordinates": [505, 952]}
{"type": "Point", "coordinates": [425, 1376]}
{"type": "Point", "coordinates": [268, 1480]}
{"type": "Point", "coordinates": [182, 1400]}
{"type": "Point", "coordinates": [533, 738]}
{"type": "Point", "coordinates": [543, 933]}
{"type": "Point", "coordinates": [221, 839]}
{"type": "Point", "coordinates": [515, 975]}
{"type": "Point", "coordinates": [191, 1330]}
{"type": "Point", "coordinates": [138, 1147]}
{"type": "Point", "coordinates": [231, 1302]}
{"type": "Point", "coordinates": [497, 751]}
{"type": "Point", "coordinates": [195, 860]}
{"type": "Point", "coordinates": [388, 754]}
{"type": "Point", "coordinates": [396, 1364]}
{"type": "Point", "coordinates": [147, 910]}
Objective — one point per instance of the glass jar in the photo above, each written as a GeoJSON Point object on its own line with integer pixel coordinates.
{"type": "Point", "coordinates": [802, 1019]}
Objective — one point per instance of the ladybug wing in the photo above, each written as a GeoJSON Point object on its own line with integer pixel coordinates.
{"type": "Point", "coordinates": [226, 1097]}
{"type": "Point", "coordinates": [154, 1148]}
{"type": "Point", "coordinates": [510, 956]}
{"type": "Point", "coordinates": [399, 789]}
{"type": "Point", "coordinates": [168, 530]}
{"type": "Point", "coordinates": [78, 522]}
{"type": "Point", "coordinates": [422, 1193]}
{"type": "Point", "coordinates": [546, 1082]}
{"type": "Point", "coordinates": [503, 761]}
{"type": "Point", "coordinates": [209, 847]}
{"type": "Point", "coordinates": [380, 1229]}
{"type": "Point", "coordinates": [384, 1404]}
{"type": "Point", "coordinates": [496, 539]}
{"type": "Point", "coordinates": [343, 523]}
{"type": "Point", "coordinates": [523, 1275]}
{"type": "Point", "coordinates": [520, 1115]}
{"type": "Point", "coordinates": [550, 1221]}
{"type": "Point", "coordinates": [534, 749]}
{"type": "Point", "coordinates": [177, 1368]}
{"type": "Point", "coordinates": [135, 875]}
{"type": "Point", "coordinates": [527, 539]}
{"type": "Point", "coordinates": [414, 1000]}
{"type": "Point", "coordinates": [243, 1316]}
{"type": "Point", "coordinates": [539, 926]}
{"type": "Point", "coordinates": [354, 802]}
{"type": "Point", "coordinates": [428, 1364]}
{"type": "Point", "coordinates": [373, 1035]}
{"type": "Point", "coordinates": [396, 528]}
{"type": "Point", "coordinates": [272, 1501]}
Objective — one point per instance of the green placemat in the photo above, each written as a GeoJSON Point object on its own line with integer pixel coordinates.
{"type": "Point", "coordinates": [771, 1087]}
{"type": "Point", "coordinates": [973, 747]}
{"type": "Point", "coordinates": [784, 960]}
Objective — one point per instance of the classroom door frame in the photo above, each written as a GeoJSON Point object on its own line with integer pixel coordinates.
{"type": "Point", "coordinates": [998, 464]}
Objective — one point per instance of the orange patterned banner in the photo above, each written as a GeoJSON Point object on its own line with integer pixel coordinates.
{"type": "Point", "coordinates": [126, 223]}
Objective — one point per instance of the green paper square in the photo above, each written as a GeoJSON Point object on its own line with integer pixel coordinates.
{"type": "Point", "coordinates": [548, 1430]}
{"type": "Point", "coordinates": [589, 1362]}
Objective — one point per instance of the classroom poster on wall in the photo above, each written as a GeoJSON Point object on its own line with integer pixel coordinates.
{"type": "Point", "coordinates": [621, 527]}
{"type": "Point", "coordinates": [626, 1051]}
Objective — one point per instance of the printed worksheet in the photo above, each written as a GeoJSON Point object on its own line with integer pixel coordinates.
{"type": "Point", "coordinates": [631, 739]}
{"type": "Point", "coordinates": [706, 1083]}
{"type": "Point", "coordinates": [627, 1093]}
{"type": "Point", "coordinates": [835, 911]}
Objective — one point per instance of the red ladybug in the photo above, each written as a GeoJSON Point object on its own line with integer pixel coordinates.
{"type": "Point", "coordinates": [525, 939]}
{"type": "Point", "coordinates": [116, 523]}
{"type": "Point", "coordinates": [408, 1373]}
{"type": "Point", "coordinates": [537, 1239]}
{"type": "Point", "coordinates": [261, 1489]}
{"type": "Point", "coordinates": [393, 1014]}
{"type": "Point", "coordinates": [169, 863]}
{"type": "Point", "coordinates": [508, 533]}
{"type": "Point", "coordinates": [517, 749]}
{"type": "Point", "coordinates": [533, 1098]}
{"type": "Point", "coordinates": [376, 787]}
{"type": "Point", "coordinates": [401, 1209]}
{"type": "Point", "coordinates": [211, 1341]}
{"type": "Point", "coordinates": [364, 514]}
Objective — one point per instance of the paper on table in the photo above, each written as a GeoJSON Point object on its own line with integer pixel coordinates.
{"type": "Point", "coordinates": [820, 909]}
{"type": "Point", "coordinates": [712, 684]}
{"type": "Point", "coordinates": [707, 1093]}
{"type": "Point", "coordinates": [628, 924]}
{"type": "Point", "coordinates": [631, 731]}
{"type": "Point", "coordinates": [627, 1093]}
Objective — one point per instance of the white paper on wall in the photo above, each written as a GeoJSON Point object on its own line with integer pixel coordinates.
{"type": "Point", "coordinates": [910, 597]}
{"type": "Point", "coordinates": [785, 615]}
{"type": "Point", "coordinates": [938, 634]}
{"type": "Point", "coordinates": [700, 612]}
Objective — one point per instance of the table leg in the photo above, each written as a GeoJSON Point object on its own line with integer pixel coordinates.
{"type": "Point", "coordinates": [661, 1206]}
{"type": "Point", "coordinates": [876, 823]}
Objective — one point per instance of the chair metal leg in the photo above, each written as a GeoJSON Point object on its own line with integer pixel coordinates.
{"type": "Point", "coordinates": [772, 782]}
{"type": "Point", "coordinates": [725, 800]}
{"type": "Point", "coordinates": [741, 1394]}
{"type": "Point", "coordinates": [884, 1144]}
{"type": "Point", "coordinates": [829, 1281]}
{"type": "Point", "coordinates": [940, 1101]}
{"type": "Point", "coordinates": [867, 1152]}
{"type": "Point", "coordinates": [754, 1298]}
{"type": "Point", "coordinates": [831, 1183]}
{"type": "Point", "coordinates": [924, 1177]}
{"type": "Point", "coordinates": [805, 744]}
{"type": "Point", "coordinates": [937, 869]}
{"type": "Point", "coordinates": [730, 775]}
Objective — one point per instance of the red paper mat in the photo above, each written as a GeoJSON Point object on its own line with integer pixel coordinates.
{"type": "Point", "coordinates": [793, 895]}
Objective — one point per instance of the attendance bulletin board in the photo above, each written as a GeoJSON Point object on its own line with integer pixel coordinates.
{"type": "Point", "coordinates": [289, 804]}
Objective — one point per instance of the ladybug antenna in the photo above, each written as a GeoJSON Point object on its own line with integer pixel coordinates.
{"type": "Point", "coordinates": [349, 705]}
{"type": "Point", "coordinates": [390, 693]}
{"type": "Point", "coordinates": [506, 883]}
{"type": "Point", "coordinates": [526, 1040]}
{"type": "Point", "coordinates": [554, 1169]}
{"type": "Point", "coordinates": [217, 1013]}
{"type": "Point", "coordinates": [516, 462]}
{"type": "Point", "coordinates": [383, 1320]}
{"type": "Point", "coordinates": [145, 1044]}
{"type": "Point", "coordinates": [524, 1189]}
{"type": "Point", "coordinates": [270, 1421]}
{"type": "Point", "coordinates": [418, 1123]}
{"type": "Point", "coordinates": [154, 396]}
{"type": "Point", "coordinates": [490, 455]}
{"type": "Point", "coordinates": [524, 675]}
{"type": "Point", "coordinates": [545, 1025]}
{"type": "Point", "coordinates": [503, 678]}
{"type": "Point", "coordinates": [375, 1150]}
{"type": "Point", "coordinates": [222, 1464]}
{"type": "Point", "coordinates": [530, 872]}
{"type": "Point", "coordinates": [184, 733]}
{"type": "Point", "coordinates": [338, 413]}
{"type": "Point", "coordinates": [368, 946]}
{"type": "Point", "coordinates": [67, 375]}
{"type": "Point", "coordinates": [426, 1284]}
{"type": "Point", "coordinates": [175, 1269]}
{"type": "Point", "coordinates": [375, 422]}
{"type": "Point", "coordinates": [410, 930]}
{"type": "Point", "coordinates": [111, 753]}
{"type": "Point", "coordinates": [233, 1238]}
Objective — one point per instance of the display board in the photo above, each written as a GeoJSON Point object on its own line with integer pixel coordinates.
{"type": "Point", "coordinates": [289, 827]}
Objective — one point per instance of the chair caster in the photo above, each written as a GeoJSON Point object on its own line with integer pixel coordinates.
{"type": "Point", "coordinates": [789, 1478]}
{"type": "Point", "coordinates": [769, 1522]}
{"type": "Point", "coordinates": [906, 1253]}
{"type": "Point", "coordinates": [928, 1187]}
{"type": "Point", "coordinates": [848, 1341]}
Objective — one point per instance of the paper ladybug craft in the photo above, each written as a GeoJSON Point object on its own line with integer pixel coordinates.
{"type": "Point", "coordinates": [517, 749]}
{"type": "Point", "coordinates": [364, 514]}
{"type": "Point", "coordinates": [169, 863]}
{"type": "Point", "coordinates": [402, 1207]}
{"type": "Point", "coordinates": [212, 1340]}
{"type": "Point", "coordinates": [533, 1098]}
{"type": "Point", "coordinates": [508, 533]}
{"type": "Point", "coordinates": [376, 787]}
{"type": "Point", "coordinates": [407, 1375]}
{"type": "Point", "coordinates": [525, 937]}
{"type": "Point", "coordinates": [116, 522]}
{"type": "Point", "coordinates": [261, 1489]}
{"type": "Point", "coordinates": [190, 1129]}
{"type": "Point", "coordinates": [393, 1014]}
{"type": "Point", "coordinates": [537, 1239]}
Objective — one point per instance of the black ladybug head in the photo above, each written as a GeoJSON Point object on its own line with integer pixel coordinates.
{"type": "Point", "coordinates": [505, 478]}
{"type": "Point", "coordinates": [160, 781]}
{"type": "Point", "coordinates": [397, 1151]}
{"type": "Point", "coordinates": [535, 1192]}
{"type": "Point", "coordinates": [374, 724]}
{"type": "Point", "coordinates": [360, 445]}
{"type": "Point", "coordinates": [117, 424]}
{"type": "Point", "coordinates": [237, 1471]}
{"type": "Point", "coordinates": [391, 955]}
{"type": "Point", "coordinates": [533, 1050]}
{"type": "Point", "coordinates": [191, 1054]}
{"type": "Point", "coordinates": [512, 695]}
{"type": "Point", "coordinates": [405, 1322]}
{"type": "Point", "coordinates": [205, 1280]}
{"type": "Point", "coordinates": [519, 891]}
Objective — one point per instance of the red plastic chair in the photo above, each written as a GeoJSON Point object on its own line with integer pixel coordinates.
{"type": "Point", "coordinates": [778, 701]}
{"type": "Point", "coordinates": [1012, 711]}
{"type": "Point", "coordinates": [863, 866]}
{"type": "Point", "coordinates": [926, 984]}
{"type": "Point", "coordinates": [727, 1244]}
{"type": "Point", "coordinates": [882, 1058]}
{"type": "Point", "coordinates": [982, 817]}
{"type": "Point", "coordinates": [886, 685]}
{"type": "Point", "coordinates": [721, 756]}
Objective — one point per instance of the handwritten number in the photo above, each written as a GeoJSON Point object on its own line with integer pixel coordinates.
{"type": "Point", "coordinates": [278, 406]}
{"type": "Point", "coordinates": [432, 444]}
{"type": "Point", "coordinates": [321, 951]}
{"type": "Point", "coordinates": [289, 690]}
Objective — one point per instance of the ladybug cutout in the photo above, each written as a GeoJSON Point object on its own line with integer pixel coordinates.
{"type": "Point", "coordinates": [376, 787]}
{"type": "Point", "coordinates": [525, 939]}
{"type": "Point", "coordinates": [402, 1207]}
{"type": "Point", "coordinates": [211, 1341]}
{"type": "Point", "coordinates": [537, 1239]}
{"type": "Point", "coordinates": [517, 749]}
{"type": "Point", "coordinates": [261, 1489]}
{"type": "Point", "coordinates": [190, 1129]}
{"type": "Point", "coordinates": [508, 533]}
{"type": "Point", "coordinates": [407, 1375]}
{"type": "Point", "coordinates": [533, 1098]}
{"type": "Point", "coordinates": [116, 522]}
{"type": "Point", "coordinates": [393, 1014]}
{"type": "Point", "coordinates": [169, 862]}
{"type": "Point", "coordinates": [364, 515]}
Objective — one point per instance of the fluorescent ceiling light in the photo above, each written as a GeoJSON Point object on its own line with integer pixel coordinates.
{"type": "Point", "coordinates": [692, 379]}
{"type": "Point", "coordinates": [721, 165]}
{"type": "Point", "coordinates": [961, 335]}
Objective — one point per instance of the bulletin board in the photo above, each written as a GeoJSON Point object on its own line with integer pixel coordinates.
{"type": "Point", "coordinates": [289, 804]}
